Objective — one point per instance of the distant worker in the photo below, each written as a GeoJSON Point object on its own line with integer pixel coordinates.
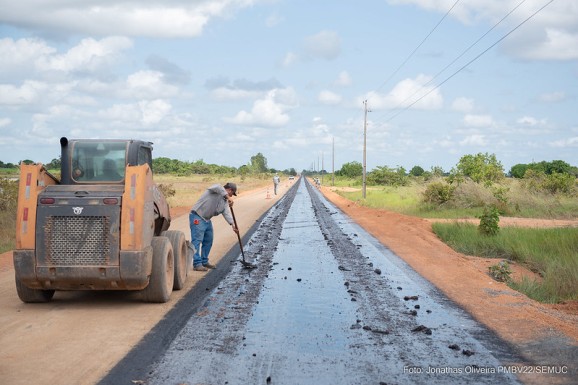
{"type": "Point", "coordinates": [275, 183]}
{"type": "Point", "coordinates": [215, 200]}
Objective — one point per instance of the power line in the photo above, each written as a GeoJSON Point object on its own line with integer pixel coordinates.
{"type": "Point", "coordinates": [459, 56]}
{"type": "Point", "coordinates": [470, 62]}
{"type": "Point", "coordinates": [416, 48]}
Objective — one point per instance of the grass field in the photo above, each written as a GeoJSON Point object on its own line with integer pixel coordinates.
{"type": "Point", "coordinates": [551, 253]}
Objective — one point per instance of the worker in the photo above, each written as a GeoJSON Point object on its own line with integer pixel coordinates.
{"type": "Point", "coordinates": [275, 183]}
{"type": "Point", "coordinates": [215, 200]}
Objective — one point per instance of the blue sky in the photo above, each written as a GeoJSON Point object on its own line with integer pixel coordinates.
{"type": "Point", "coordinates": [223, 80]}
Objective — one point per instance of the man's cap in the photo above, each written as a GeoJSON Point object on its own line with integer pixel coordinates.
{"type": "Point", "coordinates": [231, 186]}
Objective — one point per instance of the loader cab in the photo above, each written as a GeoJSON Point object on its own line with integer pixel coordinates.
{"type": "Point", "coordinates": [101, 161]}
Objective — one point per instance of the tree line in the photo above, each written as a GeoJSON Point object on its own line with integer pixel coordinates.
{"type": "Point", "coordinates": [478, 167]}
{"type": "Point", "coordinates": [256, 165]}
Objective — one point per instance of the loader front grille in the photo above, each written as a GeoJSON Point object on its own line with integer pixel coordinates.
{"type": "Point", "coordinates": [77, 241]}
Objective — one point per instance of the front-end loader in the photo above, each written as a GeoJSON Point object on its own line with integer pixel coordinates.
{"type": "Point", "coordinates": [104, 225]}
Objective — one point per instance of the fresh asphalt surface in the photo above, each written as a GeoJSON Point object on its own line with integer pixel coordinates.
{"type": "Point", "coordinates": [327, 304]}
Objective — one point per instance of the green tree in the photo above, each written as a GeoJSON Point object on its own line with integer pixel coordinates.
{"type": "Point", "coordinates": [518, 170]}
{"type": "Point", "coordinates": [437, 171]}
{"type": "Point", "coordinates": [383, 175]}
{"type": "Point", "coordinates": [351, 170]}
{"type": "Point", "coordinates": [416, 171]}
{"type": "Point", "coordinates": [481, 168]}
{"type": "Point", "coordinates": [258, 164]}
{"type": "Point", "coordinates": [54, 164]}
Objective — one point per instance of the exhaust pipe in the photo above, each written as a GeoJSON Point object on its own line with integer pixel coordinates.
{"type": "Point", "coordinates": [64, 162]}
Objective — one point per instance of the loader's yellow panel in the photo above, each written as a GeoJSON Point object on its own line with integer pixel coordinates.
{"type": "Point", "coordinates": [137, 217]}
{"type": "Point", "coordinates": [33, 179]}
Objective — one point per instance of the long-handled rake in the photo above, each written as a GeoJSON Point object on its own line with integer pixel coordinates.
{"type": "Point", "coordinates": [245, 264]}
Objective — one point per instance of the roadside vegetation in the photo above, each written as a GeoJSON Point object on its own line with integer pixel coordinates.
{"type": "Point", "coordinates": [479, 188]}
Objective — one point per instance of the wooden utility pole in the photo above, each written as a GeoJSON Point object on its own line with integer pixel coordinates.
{"type": "Point", "coordinates": [363, 186]}
{"type": "Point", "coordinates": [322, 167]}
{"type": "Point", "coordinates": [333, 163]}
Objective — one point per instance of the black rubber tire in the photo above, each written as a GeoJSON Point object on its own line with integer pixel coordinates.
{"type": "Point", "coordinates": [29, 295]}
{"type": "Point", "coordinates": [162, 276]}
{"type": "Point", "coordinates": [182, 264]}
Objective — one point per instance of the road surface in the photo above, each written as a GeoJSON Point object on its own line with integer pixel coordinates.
{"type": "Point", "coordinates": [326, 305]}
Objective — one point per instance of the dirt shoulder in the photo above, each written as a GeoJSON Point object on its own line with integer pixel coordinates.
{"type": "Point", "coordinates": [514, 317]}
{"type": "Point", "coordinates": [80, 335]}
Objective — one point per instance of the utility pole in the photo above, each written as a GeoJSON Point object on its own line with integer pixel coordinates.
{"type": "Point", "coordinates": [322, 167]}
{"type": "Point", "coordinates": [364, 184]}
{"type": "Point", "coordinates": [333, 163]}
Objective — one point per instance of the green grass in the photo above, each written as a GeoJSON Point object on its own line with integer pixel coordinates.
{"type": "Point", "coordinates": [552, 253]}
{"type": "Point", "coordinates": [468, 202]}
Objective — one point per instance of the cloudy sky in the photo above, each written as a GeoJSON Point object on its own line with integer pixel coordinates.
{"type": "Point", "coordinates": [223, 80]}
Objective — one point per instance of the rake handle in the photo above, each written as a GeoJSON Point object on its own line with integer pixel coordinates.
{"type": "Point", "coordinates": [238, 235]}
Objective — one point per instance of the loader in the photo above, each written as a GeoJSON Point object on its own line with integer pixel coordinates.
{"type": "Point", "coordinates": [102, 225]}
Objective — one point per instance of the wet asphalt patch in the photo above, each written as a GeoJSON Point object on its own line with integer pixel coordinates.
{"type": "Point", "coordinates": [327, 305]}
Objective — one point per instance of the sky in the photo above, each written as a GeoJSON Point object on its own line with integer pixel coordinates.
{"type": "Point", "coordinates": [303, 82]}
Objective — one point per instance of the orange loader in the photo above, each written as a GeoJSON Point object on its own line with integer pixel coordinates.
{"type": "Point", "coordinates": [104, 225]}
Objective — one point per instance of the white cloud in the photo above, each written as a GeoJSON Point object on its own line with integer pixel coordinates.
{"type": "Point", "coordinates": [531, 121]}
{"type": "Point", "coordinates": [408, 92]}
{"type": "Point", "coordinates": [153, 111]}
{"type": "Point", "coordinates": [471, 120]}
{"type": "Point", "coordinates": [123, 17]}
{"type": "Point", "coordinates": [28, 93]}
{"type": "Point", "coordinates": [88, 55]}
{"type": "Point", "coordinates": [328, 97]}
{"type": "Point", "coordinates": [148, 85]}
{"type": "Point", "coordinates": [226, 93]}
{"type": "Point", "coordinates": [267, 112]}
{"type": "Point", "coordinates": [5, 122]}
{"type": "Point", "coordinates": [15, 54]}
{"type": "Point", "coordinates": [343, 80]}
{"type": "Point", "coordinates": [324, 45]}
{"type": "Point", "coordinates": [474, 140]}
{"type": "Point", "coordinates": [549, 35]}
{"type": "Point", "coordinates": [553, 44]}
{"type": "Point", "coordinates": [569, 142]}
{"type": "Point", "coordinates": [463, 104]}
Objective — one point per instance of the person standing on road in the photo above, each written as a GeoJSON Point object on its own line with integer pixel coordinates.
{"type": "Point", "coordinates": [215, 200]}
{"type": "Point", "coordinates": [275, 183]}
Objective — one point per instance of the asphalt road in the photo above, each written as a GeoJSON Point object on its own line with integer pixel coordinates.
{"type": "Point", "coordinates": [327, 305]}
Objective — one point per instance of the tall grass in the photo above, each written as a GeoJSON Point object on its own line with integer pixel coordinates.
{"type": "Point", "coordinates": [552, 253]}
{"type": "Point", "coordinates": [468, 201]}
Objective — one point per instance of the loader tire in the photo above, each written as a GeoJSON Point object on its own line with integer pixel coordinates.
{"type": "Point", "coordinates": [178, 241]}
{"type": "Point", "coordinates": [160, 284]}
{"type": "Point", "coordinates": [29, 295]}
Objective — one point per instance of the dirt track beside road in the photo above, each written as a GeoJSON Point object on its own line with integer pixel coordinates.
{"type": "Point", "coordinates": [79, 336]}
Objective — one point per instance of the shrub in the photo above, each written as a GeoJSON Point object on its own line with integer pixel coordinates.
{"type": "Point", "coordinates": [489, 221]}
{"type": "Point", "coordinates": [554, 183]}
{"type": "Point", "coordinates": [501, 272]}
{"type": "Point", "coordinates": [167, 190]}
{"type": "Point", "coordinates": [8, 195]}
{"type": "Point", "coordinates": [438, 193]}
